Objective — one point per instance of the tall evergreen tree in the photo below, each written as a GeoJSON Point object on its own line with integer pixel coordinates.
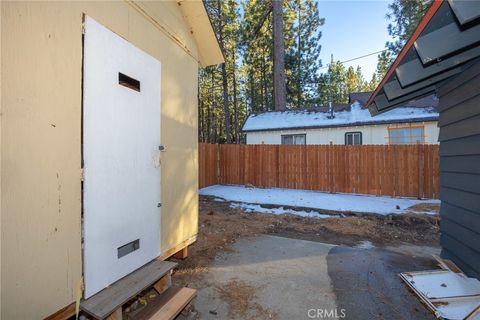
{"type": "Point", "coordinates": [218, 84]}
{"type": "Point", "coordinates": [404, 16]}
{"type": "Point", "coordinates": [302, 58]}
{"type": "Point", "coordinates": [333, 84]}
{"type": "Point", "coordinates": [383, 63]}
{"type": "Point", "coordinates": [279, 85]}
{"type": "Point", "coordinates": [244, 83]}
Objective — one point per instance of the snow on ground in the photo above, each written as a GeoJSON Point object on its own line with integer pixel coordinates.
{"type": "Point", "coordinates": [248, 207]}
{"type": "Point", "coordinates": [312, 199]}
{"type": "Point", "coordinates": [357, 115]}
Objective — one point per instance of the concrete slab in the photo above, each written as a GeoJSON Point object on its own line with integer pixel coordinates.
{"type": "Point", "coordinates": [271, 277]}
{"type": "Point", "coordinates": [367, 285]}
{"type": "Point", "coordinates": [281, 278]}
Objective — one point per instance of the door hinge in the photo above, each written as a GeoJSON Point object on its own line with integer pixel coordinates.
{"type": "Point", "coordinates": [82, 174]}
{"type": "Point", "coordinates": [159, 205]}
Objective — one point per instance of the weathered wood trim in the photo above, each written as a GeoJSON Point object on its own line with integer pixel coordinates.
{"type": "Point", "coordinates": [63, 313]}
{"type": "Point", "coordinates": [170, 252]}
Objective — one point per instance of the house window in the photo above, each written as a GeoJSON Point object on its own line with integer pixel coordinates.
{"type": "Point", "coordinates": [353, 138]}
{"type": "Point", "coordinates": [294, 139]}
{"type": "Point", "coordinates": [406, 135]}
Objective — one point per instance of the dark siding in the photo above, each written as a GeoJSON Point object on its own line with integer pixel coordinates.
{"type": "Point", "coordinates": [461, 164]}
{"type": "Point", "coordinates": [460, 170]}
{"type": "Point", "coordinates": [461, 181]}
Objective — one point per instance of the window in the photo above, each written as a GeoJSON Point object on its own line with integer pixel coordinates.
{"type": "Point", "coordinates": [406, 135]}
{"type": "Point", "coordinates": [294, 139]}
{"type": "Point", "coordinates": [353, 138]}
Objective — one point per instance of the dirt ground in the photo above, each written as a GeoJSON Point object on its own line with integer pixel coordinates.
{"type": "Point", "coordinates": [220, 226]}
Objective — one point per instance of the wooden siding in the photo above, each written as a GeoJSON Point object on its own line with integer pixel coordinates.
{"type": "Point", "coordinates": [460, 170]}
{"type": "Point", "coordinates": [389, 170]}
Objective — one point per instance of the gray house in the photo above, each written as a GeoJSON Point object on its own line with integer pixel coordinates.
{"type": "Point", "coordinates": [443, 57]}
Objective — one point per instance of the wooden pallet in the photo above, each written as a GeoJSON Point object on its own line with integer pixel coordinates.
{"type": "Point", "coordinates": [109, 301]}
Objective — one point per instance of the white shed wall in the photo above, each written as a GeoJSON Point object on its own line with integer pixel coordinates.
{"type": "Point", "coordinates": [372, 134]}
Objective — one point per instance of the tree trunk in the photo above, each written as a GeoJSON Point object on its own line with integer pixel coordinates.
{"type": "Point", "coordinates": [252, 93]}
{"type": "Point", "coordinates": [264, 83]}
{"type": "Point", "coordinates": [299, 57]}
{"type": "Point", "coordinates": [235, 111]}
{"type": "Point", "coordinates": [225, 103]}
{"type": "Point", "coordinates": [279, 89]}
{"type": "Point", "coordinates": [200, 118]}
{"type": "Point", "coordinates": [211, 113]}
{"type": "Point", "coordinates": [224, 79]}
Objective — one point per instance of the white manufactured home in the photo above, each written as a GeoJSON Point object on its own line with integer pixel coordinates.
{"type": "Point", "coordinates": [414, 123]}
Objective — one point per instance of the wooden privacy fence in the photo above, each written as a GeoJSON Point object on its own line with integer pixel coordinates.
{"type": "Point", "coordinates": [393, 170]}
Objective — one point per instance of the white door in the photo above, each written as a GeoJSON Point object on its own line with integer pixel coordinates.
{"type": "Point", "coordinates": [121, 139]}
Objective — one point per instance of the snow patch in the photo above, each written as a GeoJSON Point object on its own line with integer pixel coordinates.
{"type": "Point", "coordinates": [357, 115]}
{"type": "Point", "coordinates": [365, 245]}
{"type": "Point", "coordinates": [313, 199]}
{"type": "Point", "coordinates": [248, 207]}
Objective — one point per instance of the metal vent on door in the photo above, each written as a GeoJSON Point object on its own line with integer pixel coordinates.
{"type": "Point", "coordinates": [128, 248]}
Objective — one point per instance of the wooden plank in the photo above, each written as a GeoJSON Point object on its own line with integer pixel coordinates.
{"type": "Point", "coordinates": [163, 284]}
{"type": "Point", "coordinates": [182, 253]}
{"type": "Point", "coordinates": [166, 306]}
{"type": "Point", "coordinates": [108, 300]}
{"type": "Point", "coordinates": [154, 305]}
{"type": "Point", "coordinates": [175, 305]}
{"type": "Point", "coordinates": [170, 252]}
{"type": "Point", "coordinates": [116, 315]}
{"type": "Point", "coordinates": [63, 314]}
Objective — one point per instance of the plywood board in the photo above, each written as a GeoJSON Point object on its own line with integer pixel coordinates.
{"type": "Point", "coordinates": [448, 294]}
{"type": "Point", "coordinates": [442, 284]}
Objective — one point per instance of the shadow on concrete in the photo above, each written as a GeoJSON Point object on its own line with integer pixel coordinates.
{"type": "Point", "coordinates": [367, 285]}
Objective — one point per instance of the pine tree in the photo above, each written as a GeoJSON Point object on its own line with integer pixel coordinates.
{"type": "Point", "coordinates": [279, 85]}
{"type": "Point", "coordinates": [372, 85]}
{"type": "Point", "coordinates": [227, 93]}
{"type": "Point", "coordinates": [218, 84]}
{"type": "Point", "coordinates": [333, 84]}
{"type": "Point", "coordinates": [302, 59]}
{"type": "Point", "coordinates": [383, 64]}
{"type": "Point", "coordinates": [405, 16]}
{"type": "Point", "coordinates": [257, 52]}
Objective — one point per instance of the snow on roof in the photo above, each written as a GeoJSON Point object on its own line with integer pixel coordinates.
{"type": "Point", "coordinates": [315, 119]}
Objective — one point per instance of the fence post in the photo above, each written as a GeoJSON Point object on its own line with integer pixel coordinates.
{"type": "Point", "coordinates": [421, 173]}
{"type": "Point", "coordinates": [217, 163]}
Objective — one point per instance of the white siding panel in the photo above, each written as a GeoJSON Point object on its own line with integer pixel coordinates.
{"type": "Point", "coordinates": [374, 134]}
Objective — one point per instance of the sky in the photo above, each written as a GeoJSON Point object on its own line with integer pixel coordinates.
{"type": "Point", "coordinates": [353, 28]}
